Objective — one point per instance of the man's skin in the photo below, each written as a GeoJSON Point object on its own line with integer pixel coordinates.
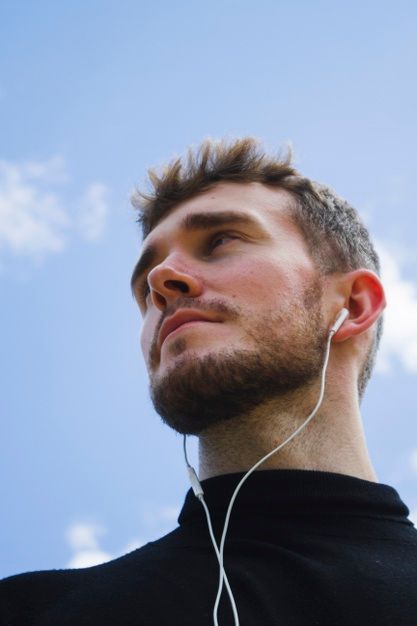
{"type": "Point", "coordinates": [261, 271]}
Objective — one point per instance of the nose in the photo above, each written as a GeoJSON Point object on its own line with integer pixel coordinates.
{"type": "Point", "coordinates": [167, 283]}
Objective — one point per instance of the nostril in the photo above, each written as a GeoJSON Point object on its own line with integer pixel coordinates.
{"type": "Point", "coordinates": [176, 284]}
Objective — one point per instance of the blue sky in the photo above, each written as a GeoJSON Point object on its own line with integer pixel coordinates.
{"type": "Point", "coordinates": [91, 95]}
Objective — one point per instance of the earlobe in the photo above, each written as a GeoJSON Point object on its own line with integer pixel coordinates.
{"type": "Point", "coordinates": [365, 300]}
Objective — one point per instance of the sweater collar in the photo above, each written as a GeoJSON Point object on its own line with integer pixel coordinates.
{"type": "Point", "coordinates": [295, 493]}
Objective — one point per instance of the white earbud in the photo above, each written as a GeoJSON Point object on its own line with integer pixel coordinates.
{"type": "Point", "coordinates": [339, 321]}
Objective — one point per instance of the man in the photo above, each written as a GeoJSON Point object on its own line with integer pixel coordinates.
{"type": "Point", "coordinates": [244, 269]}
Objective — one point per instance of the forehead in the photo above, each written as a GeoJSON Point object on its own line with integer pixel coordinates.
{"type": "Point", "coordinates": [266, 205]}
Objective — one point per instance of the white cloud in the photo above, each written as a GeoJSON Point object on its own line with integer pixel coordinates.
{"type": "Point", "coordinates": [158, 518]}
{"type": "Point", "coordinates": [52, 171]}
{"type": "Point", "coordinates": [88, 558]}
{"type": "Point", "coordinates": [35, 218]}
{"type": "Point", "coordinates": [32, 218]}
{"type": "Point", "coordinates": [93, 214]}
{"type": "Point", "coordinates": [399, 340]}
{"type": "Point", "coordinates": [134, 544]}
{"type": "Point", "coordinates": [83, 538]}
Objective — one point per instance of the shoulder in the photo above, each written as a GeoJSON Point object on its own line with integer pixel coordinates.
{"type": "Point", "coordinates": [40, 597]}
{"type": "Point", "coordinates": [23, 596]}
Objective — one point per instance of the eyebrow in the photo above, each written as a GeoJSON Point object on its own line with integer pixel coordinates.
{"type": "Point", "coordinates": [190, 223]}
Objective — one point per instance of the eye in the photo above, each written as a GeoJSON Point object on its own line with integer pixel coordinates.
{"type": "Point", "coordinates": [218, 238]}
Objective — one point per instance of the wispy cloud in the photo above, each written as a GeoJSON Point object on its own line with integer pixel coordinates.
{"type": "Point", "coordinates": [36, 218]}
{"type": "Point", "coordinates": [155, 517]}
{"type": "Point", "coordinates": [53, 171]}
{"type": "Point", "coordinates": [32, 218]}
{"type": "Point", "coordinates": [92, 217]}
{"type": "Point", "coordinates": [84, 538]}
{"type": "Point", "coordinates": [399, 341]}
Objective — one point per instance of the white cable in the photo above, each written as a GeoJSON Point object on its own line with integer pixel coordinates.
{"type": "Point", "coordinates": [224, 575]}
{"type": "Point", "coordinates": [262, 460]}
{"type": "Point", "coordinates": [198, 490]}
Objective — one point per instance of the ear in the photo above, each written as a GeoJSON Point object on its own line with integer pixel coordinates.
{"type": "Point", "coordinates": [365, 299]}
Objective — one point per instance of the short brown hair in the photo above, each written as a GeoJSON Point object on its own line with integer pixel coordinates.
{"type": "Point", "coordinates": [337, 239]}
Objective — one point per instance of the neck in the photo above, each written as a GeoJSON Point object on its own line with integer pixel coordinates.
{"type": "Point", "coordinates": [333, 441]}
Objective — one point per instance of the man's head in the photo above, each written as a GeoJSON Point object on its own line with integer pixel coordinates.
{"type": "Point", "coordinates": [243, 242]}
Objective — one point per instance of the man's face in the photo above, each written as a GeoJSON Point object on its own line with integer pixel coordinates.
{"type": "Point", "coordinates": [231, 303]}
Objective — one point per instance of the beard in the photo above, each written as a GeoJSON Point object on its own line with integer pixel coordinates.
{"type": "Point", "coordinates": [287, 355]}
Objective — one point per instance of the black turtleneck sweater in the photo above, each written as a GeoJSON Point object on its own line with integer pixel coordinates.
{"type": "Point", "coordinates": [304, 548]}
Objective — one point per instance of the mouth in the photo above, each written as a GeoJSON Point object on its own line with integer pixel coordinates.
{"type": "Point", "coordinates": [179, 321]}
{"type": "Point", "coordinates": [185, 325]}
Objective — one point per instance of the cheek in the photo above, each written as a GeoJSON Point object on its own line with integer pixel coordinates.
{"type": "Point", "coordinates": [264, 284]}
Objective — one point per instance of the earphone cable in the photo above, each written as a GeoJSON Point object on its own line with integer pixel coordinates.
{"type": "Point", "coordinates": [257, 464]}
{"type": "Point", "coordinates": [199, 493]}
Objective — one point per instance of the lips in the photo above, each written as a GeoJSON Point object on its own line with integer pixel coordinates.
{"type": "Point", "coordinates": [178, 319]}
